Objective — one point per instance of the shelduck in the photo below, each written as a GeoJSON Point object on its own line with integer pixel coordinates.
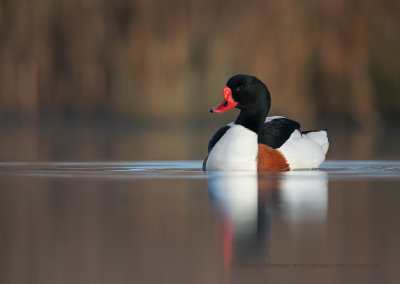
{"type": "Point", "coordinates": [256, 142]}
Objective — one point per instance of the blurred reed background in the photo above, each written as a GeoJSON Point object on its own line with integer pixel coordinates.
{"type": "Point", "coordinates": [146, 63]}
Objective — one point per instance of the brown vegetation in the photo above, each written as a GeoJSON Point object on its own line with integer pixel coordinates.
{"type": "Point", "coordinates": [154, 59]}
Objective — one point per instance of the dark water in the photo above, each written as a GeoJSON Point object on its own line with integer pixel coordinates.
{"type": "Point", "coordinates": [169, 222]}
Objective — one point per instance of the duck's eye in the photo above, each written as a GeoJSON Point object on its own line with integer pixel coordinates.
{"type": "Point", "coordinates": [239, 87]}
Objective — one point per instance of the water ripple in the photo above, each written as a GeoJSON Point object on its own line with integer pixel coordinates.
{"type": "Point", "coordinates": [186, 169]}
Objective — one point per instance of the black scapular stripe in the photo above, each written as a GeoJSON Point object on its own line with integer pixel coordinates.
{"type": "Point", "coordinates": [276, 132]}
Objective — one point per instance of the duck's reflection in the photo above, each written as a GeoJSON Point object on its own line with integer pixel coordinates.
{"type": "Point", "coordinates": [304, 197]}
{"type": "Point", "coordinates": [248, 204]}
{"type": "Point", "coordinates": [245, 216]}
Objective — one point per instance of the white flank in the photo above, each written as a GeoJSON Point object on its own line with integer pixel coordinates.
{"type": "Point", "coordinates": [302, 151]}
{"type": "Point", "coordinates": [236, 150]}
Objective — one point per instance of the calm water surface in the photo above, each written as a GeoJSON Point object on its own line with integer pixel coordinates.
{"type": "Point", "coordinates": [169, 222]}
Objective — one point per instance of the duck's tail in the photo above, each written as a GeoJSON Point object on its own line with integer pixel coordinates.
{"type": "Point", "coordinates": [320, 137]}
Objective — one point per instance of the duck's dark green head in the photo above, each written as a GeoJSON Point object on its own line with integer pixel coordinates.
{"type": "Point", "coordinates": [251, 96]}
{"type": "Point", "coordinates": [245, 92]}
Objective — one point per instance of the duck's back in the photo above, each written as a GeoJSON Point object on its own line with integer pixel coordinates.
{"type": "Point", "coordinates": [301, 150]}
{"type": "Point", "coordinates": [305, 151]}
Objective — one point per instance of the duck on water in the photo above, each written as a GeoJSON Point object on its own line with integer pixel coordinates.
{"type": "Point", "coordinates": [258, 142]}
